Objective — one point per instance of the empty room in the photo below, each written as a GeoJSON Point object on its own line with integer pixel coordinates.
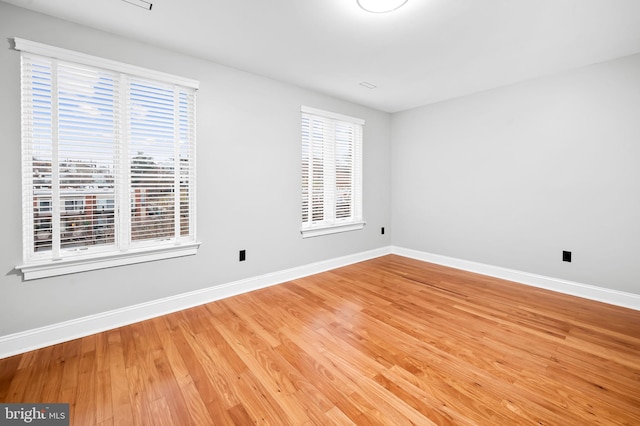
{"type": "Point", "coordinates": [318, 212]}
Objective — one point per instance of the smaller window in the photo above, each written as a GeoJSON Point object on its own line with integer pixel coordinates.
{"type": "Point", "coordinates": [331, 172]}
{"type": "Point", "coordinates": [74, 205]}
{"type": "Point", "coordinates": [45, 206]}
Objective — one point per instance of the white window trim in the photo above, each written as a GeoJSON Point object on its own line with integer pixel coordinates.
{"type": "Point", "coordinates": [309, 231]}
{"type": "Point", "coordinates": [52, 268]}
{"type": "Point", "coordinates": [329, 114]}
{"type": "Point", "coordinates": [331, 229]}
{"type": "Point", "coordinates": [95, 61]}
{"type": "Point", "coordinates": [60, 266]}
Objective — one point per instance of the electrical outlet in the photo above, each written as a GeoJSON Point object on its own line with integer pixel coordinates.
{"type": "Point", "coordinates": [566, 256]}
{"type": "Point", "coordinates": [243, 255]}
{"type": "Point", "coordinates": [382, 230]}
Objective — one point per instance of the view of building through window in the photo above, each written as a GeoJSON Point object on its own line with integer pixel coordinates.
{"type": "Point", "coordinates": [109, 159]}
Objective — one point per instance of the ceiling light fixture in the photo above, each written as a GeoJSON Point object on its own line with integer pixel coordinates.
{"type": "Point", "coordinates": [380, 6]}
{"type": "Point", "coordinates": [140, 3]}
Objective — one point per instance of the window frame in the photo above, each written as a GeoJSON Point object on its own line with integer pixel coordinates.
{"type": "Point", "coordinates": [331, 223]}
{"type": "Point", "coordinates": [39, 265]}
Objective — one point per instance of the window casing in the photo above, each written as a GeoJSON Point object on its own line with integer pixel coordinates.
{"type": "Point", "coordinates": [108, 160]}
{"type": "Point", "coordinates": [331, 172]}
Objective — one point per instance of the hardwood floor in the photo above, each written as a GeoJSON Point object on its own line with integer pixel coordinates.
{"type": "Point", "coordinates": [389, 341]}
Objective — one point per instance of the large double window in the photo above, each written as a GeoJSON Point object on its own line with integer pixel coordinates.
{"type": "Point", "coordinates": [108, 153]}
{"type": "Point", "coordinates": [331, 172]}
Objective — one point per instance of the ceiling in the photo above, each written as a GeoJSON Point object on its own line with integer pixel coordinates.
{"type": "Point", "coordinates": [424, 52]}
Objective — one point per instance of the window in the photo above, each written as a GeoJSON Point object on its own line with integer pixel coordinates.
{"type": "Point", "coordinates": [331, 173]}
{"type": "Point", "coordinates": [74, 204]}
{"type": "Point", "coordinates": [108, 156]}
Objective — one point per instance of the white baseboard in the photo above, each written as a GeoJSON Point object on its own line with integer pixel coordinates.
{"type": "Point", "coordinates": [612, 297]}
{"type": "Point", "coordinates": [17, 343]}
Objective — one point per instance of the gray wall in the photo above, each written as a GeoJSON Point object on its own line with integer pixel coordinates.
{"type": "Point", "coordinates": [511, 177]}
{"type": "Point", "coordinates": [248, 145]}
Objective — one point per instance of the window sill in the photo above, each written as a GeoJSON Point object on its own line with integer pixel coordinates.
{"type": "Point", "coordinates": [52, 268]}
{"type": "Point", "coordinates": [331, 229]}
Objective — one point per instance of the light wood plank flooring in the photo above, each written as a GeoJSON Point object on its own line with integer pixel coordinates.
{"type": "Point", "coordinates": [390, 341]}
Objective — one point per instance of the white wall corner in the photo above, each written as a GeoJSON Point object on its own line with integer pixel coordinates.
{"type": "Point", "coordinates": [29, 340]}
{"type": "Point", "coordinates": [586, 291]}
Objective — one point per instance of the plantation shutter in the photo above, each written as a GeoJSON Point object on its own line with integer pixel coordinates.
{"type": "Point", "coordinates": [187, 161]}
{"type": "Point", "coordinates": [108, 159]}
{"type": "Point", "coordinates": [160, 189]}
{"type": "Point", "coordinates": [37, 154]}
{"type": "Point", "coordinates": [87, 151]}
{"type": "Point", "coordinates": [331, 169]}
{"type": "Point", "coordinates": [152, 159]}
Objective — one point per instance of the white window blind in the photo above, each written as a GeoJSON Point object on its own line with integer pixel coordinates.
{"type": "Point", "coordinates": [108, 164]}
{"type": "Point", "coordinates": [331, 172]}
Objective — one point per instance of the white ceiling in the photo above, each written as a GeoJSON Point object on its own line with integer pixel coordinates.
{"type": "Point", "coordinates": [425, 52]}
